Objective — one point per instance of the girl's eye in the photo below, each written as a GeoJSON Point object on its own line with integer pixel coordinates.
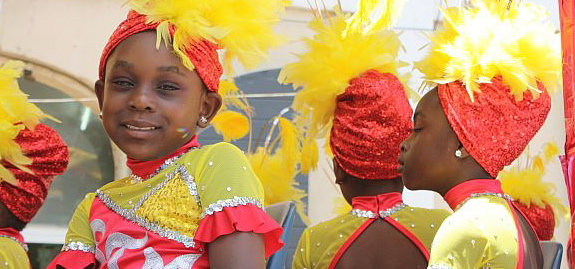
{"type": "Point", "coordinates": [168, 87]}
{"type": "Point", "coordinates": [123, 83]}
{"type": "Point", "coordinates": [415, 130]}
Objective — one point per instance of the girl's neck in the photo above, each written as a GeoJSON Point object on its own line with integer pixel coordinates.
{"type": "Point", "coordinates": [145, 169]}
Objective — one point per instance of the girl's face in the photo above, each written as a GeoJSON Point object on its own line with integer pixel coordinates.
{"type": "Point", "coordinates": [427, 160]}
{"type": "Point", "coordinates": [150, 102]}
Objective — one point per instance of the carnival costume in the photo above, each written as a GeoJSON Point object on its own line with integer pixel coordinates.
{"type": "Point", "coordinates": [494, 63]}
{"type": "Point", "coordinates": [351, 94]}
{"type": "Point", "coordinates": [169, 210]}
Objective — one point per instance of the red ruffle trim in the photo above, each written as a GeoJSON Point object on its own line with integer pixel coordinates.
{"type": "Point", "coordinates": [74, 259]}
{"type": "Point", "coordinates": [242, 218]}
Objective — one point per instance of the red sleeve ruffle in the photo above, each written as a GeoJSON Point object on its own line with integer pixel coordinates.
{"type": "Point", "coordinates": [74, 259]}
{"type": "Point", "coordinates": [241, 218]}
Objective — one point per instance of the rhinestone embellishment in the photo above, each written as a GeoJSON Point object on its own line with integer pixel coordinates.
{"type": "Point", "coordinates": [475, 195]}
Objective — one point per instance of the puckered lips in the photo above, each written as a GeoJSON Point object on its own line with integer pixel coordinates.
{"type": "Point", "coordinates": [140, 129]}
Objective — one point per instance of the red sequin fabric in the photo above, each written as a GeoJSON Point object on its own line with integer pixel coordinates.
{"type": "Point", "coordinates": [541, 219]}
{"type": "Point", "coordinates": [49, 156]}
{"type": "Point", "coordinates": [495, 128]}
{"type": "Point", "coordinates": [203, 54]}
{"type": "Point", "coordinates": [371, 119]}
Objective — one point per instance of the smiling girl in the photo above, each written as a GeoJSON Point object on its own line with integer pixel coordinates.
{"type": "Point", "coordinates": [184, 205]}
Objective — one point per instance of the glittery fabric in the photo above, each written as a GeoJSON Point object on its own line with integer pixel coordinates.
{"type": "Point", "coordinates": [203, 53]}
{"type": "Point", "coordinates": [371, 119]}
{"type": "Point", "coordinates": [541, 219]}
{"type": "Point", "coordinates": [495, 128]}
{"type": "Point", "coordinates": [49, 156]}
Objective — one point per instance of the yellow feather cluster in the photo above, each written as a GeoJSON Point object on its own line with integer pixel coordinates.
{"type": "Point", "coordinates": [277, 177]}
{"type": "Point", "coordinates": [14, 109]}
{"type": "Point", "coordinates": [526, 185]}
{"type": "Point", "coordinates": [243, 27]}
{"type": "Point", "coordinates": [290, 146]}
{"type": "Point", "coordinates": [232, 125]}
{"type": "Point", "coordinates": [494, 38]}
{"type": "Point", "coordinates": [341, 50]}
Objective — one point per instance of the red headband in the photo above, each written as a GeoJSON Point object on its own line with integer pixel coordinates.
{"type": "Point", "coordinates": [371, 119]}
{"type": "Point", "coordinates": [49, 156]}
{"type": "Point", "coordinates": [203, 54]}
{"type": "Point", "coordinates": [495, 128]}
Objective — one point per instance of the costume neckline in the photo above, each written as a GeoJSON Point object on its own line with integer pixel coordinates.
{"type": "Point", "coordinates": [144, 170]}
{"type": "Point", "coordinates": [377, 206]}
{"type": "Point", "coordinates": [466, 190]}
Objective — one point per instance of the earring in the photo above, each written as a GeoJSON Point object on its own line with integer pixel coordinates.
{"type": "Point", "coordinates": [458, 153]}
{"type": "Point", "coordinates": [203, 120]}
{"type": "Point", "coordinates": [101, 114]}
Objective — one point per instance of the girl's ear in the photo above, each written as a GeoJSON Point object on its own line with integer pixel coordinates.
{"type": "Point", "coordinates": [209, 108]}
{"type": "Point", "coordinates": [99, 89]}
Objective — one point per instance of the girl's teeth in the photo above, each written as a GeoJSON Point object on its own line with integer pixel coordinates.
{"type": "Point", "coordinates": [131, 127]}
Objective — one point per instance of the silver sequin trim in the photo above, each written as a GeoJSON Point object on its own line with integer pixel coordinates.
{"type": "Point", "coordinates": [130, 214]}
{"type": "Point", "coordinates": [383, 214]}
{"type": "Point", "coordinates": [78, 246]}
{"type": "Point", "coordinates": [236, 201]}
{"type": "Point", "coordinates": [475, 195]}
{"type": "Point", "coordinates": [24, 246]}
{"type": "Point", "coordinates": [364, 214]}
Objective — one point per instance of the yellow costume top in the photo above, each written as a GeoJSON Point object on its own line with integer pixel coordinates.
{"type": "Point", "coordinates": [170, 218]}
{"type": "Point", "coordinates": [482, 233]}
{"type": "Point", "coordinates": [12, 250]}
{"type": "Point", "coordinates": [322, 246]}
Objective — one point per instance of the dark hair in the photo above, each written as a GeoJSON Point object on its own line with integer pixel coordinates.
{"type": "Point", "coordinates": [9, 220]}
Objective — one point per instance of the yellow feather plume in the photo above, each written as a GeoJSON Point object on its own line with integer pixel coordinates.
{"type": "Point", "coordinates": [527, 186]}
{"type": "Point", "coordinates": [243, 27]}
{"type": "Point", "coordinates": [277, 178]}
{"type": "Point", "coordinates": [341, 50]}
{"type": "Point", "coordinates": [374, 15]}
{"type": "Point", "coordinates": [15, 115]}
{"type": "Point", "coordinates": [290, 146]}
{"type": "Point", "coordinates": [309, 156]}
{"type": "Point", "coordinates": [494, 38]}
{"type": "Point", "coordinates": [231, 125]}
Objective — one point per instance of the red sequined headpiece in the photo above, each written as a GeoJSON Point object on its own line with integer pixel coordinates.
{"type": "Point", "coordinates": [203, 54]}
{"type": "Point", "coordinates": [372, 117]}
{"type": "Point", "coordinates": [494, 128]}
{"type": "Point", "coordinates": [49, 156]}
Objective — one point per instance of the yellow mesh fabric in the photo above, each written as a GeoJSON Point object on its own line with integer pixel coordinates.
{"type": "Point", "coordinates": [224, 173]}
{"type": "Point", "coordinates": [220, 172]}
{"type": "Point", "coordinates": [319, 244]}
{"type": "Point", "coordinates": [79, 226]}
{"type": "Point", "coordinates": [482, 233]}
{"type": "Point", "coordinates": [12, 255]}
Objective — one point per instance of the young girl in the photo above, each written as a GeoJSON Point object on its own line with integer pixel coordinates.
{"type": "Point", "coordinates": [183, 206]}
{"type": "Point", "coordinates": [364, 108]}
{"type": "Point", "coordinates": [493, 61]}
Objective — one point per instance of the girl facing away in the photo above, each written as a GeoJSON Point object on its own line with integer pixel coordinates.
{"type": "Point", "coordinates": [184, 205]}
{"type": "Point", "coordinates": [495, 62]}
